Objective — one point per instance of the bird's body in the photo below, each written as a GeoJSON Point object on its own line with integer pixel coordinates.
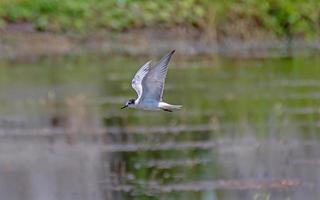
{"type": "Point", "coordinates": [148, 83]}
{"type": "Point", "coordinates": [155, 105]}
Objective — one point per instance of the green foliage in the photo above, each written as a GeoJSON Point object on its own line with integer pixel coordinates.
{"type": "Point", "coordinates": [286, 17]}
{"type": "Point", "coordinates": [282, 17]}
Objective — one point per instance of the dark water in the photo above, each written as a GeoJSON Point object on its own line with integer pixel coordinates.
{"type": "Point", "coordinates": [249, 129]}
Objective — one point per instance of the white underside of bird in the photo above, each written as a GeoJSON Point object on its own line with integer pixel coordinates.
{"type": "Point", "coordinates": [154, 105]}
{"type": "Point", "coordinates": [148, 83]}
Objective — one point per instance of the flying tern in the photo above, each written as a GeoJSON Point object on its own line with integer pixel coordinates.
{"type": "Point", "coordinates": [148, 83]}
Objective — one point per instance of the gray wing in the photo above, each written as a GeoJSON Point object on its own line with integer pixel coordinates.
{"type": "Point", "coordinates": [153, 82]}
{"type": "Point", "coordinates": [138, 77]}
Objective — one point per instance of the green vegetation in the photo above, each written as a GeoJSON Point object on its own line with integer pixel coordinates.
{"type": "Point", "coordinates": [281, 17]}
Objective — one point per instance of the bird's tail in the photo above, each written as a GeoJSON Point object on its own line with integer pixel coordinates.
{"type": "Point", "coordinates": [169, 107]}
{"type": "Point", "coordinates": [177, 107]}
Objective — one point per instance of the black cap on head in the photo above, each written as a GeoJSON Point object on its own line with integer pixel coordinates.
{"type": "Point", "coordinates": [131, 101]}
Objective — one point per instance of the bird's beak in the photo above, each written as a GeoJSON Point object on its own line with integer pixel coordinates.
{"type": "Point", "coordinates": [124, 106]}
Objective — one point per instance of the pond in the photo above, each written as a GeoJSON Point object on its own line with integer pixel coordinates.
{"type": "Point", "coordinates": [249, 129]}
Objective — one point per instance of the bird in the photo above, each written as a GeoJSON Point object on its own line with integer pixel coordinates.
{"type": "Point", "coordinates": [148, 83]}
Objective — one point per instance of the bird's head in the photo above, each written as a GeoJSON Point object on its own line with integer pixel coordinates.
{"type": "Point", "coordinates": [129, 103]}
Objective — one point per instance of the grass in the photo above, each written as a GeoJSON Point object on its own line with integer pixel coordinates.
{"type": "Point", "coordinates": [280, 17]}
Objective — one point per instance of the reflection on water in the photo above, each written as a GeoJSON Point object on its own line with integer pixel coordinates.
{"type": "Point", "coordinates": [249, 129]}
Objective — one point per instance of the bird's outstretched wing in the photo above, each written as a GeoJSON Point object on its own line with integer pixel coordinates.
{"type": "Point", "coordinates": [138, 77]}
{"type": "Point", "coordinates": [153, 82]}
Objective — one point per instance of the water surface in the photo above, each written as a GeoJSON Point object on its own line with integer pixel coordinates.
{"type": "Point", "coordinates": [249, 129]}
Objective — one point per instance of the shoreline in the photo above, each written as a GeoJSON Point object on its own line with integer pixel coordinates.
{"type": "Point", "coordinates": [22, 41]}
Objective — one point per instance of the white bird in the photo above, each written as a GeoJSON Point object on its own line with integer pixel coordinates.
{"type": "Point", "coordinates": [148, 83]}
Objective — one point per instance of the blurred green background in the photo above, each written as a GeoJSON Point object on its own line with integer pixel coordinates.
{"type": "Point", "coordinates": [247, 73]}
{"type": "Point", "coordinates": [280, 17]}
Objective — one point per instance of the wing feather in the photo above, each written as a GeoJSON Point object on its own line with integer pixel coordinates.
{"type": "Point", "coordinates": [138, 77]}
{"type": "Point", "coordinates": [153, 82]}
